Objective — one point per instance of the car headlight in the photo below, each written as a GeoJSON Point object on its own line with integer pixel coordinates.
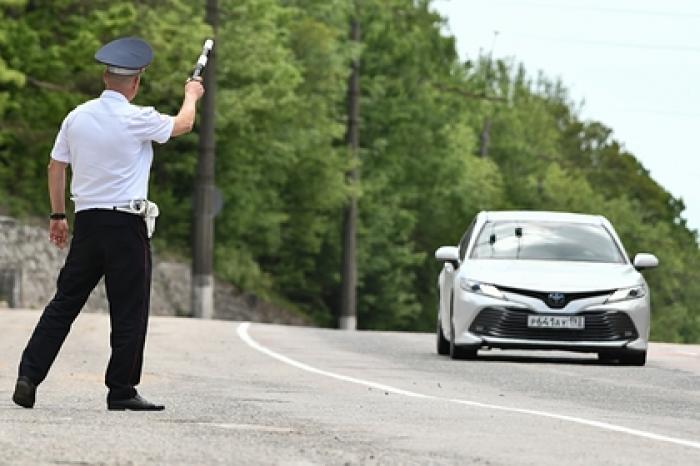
{"type": "Point", "coordinates": [624, 294]}
{"type": "Point", "coordinates": [474, 286]}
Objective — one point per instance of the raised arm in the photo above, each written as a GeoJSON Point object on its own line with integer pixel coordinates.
{"type": "Point", "coordinates": [184, 120]}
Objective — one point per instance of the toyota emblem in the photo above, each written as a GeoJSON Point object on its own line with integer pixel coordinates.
{"type": "Point", "coordinates": [556, 300]}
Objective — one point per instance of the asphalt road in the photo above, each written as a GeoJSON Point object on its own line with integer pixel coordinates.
{"type": "Point", "coordinates": [264, 394]}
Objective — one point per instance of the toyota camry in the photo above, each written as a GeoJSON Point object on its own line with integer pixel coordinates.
{"type": "Point", "coordinates": [543, 280]}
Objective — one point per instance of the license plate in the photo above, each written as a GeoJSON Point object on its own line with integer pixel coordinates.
{"type": "Point", "coordinates": [569, 322]}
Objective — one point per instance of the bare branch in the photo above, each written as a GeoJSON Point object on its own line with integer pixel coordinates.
{"type": "Point", "coordinates": [49, 86]}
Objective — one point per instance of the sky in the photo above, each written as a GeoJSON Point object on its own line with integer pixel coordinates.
{"type": "Point", "coordinates": [635, 65]}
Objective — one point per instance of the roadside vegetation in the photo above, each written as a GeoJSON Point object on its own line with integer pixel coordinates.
{"type": "Point", "coordinates": [440, 141]}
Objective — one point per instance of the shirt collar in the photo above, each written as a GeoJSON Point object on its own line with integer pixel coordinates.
{"type": "Point", "coordinates": [107, 94]}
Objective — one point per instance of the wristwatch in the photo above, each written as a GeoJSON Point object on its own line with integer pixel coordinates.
{"type": "Point", "coordinates": [57, 216]}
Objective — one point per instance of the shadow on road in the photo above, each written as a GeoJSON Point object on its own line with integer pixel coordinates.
{"type": "Point", "coordinates": [588, 360]}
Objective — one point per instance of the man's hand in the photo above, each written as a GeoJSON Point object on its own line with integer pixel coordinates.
{"type": "Point", "coordinates": [194, 88]}
{"type": "Point", "coordinates": [184, 120]}
{"type": "Point", "coordinates": [58, 233]}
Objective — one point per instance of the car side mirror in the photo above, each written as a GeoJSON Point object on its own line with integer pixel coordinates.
{"type": "Point", "coordinates": [644, 260]}
{"type": "Point", "coordinates": [448, 254]}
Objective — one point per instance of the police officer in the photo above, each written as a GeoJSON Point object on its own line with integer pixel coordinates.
{"type": "Point", "coordinates": [107, 143]}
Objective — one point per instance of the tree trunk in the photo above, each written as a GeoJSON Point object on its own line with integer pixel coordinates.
{"type": "Point", "coordinates": [485, 138]}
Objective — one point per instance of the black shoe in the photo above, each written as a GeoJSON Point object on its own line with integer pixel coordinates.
{"type": "Point", "coordinates": [133, 404]}
{"type": "Point", "coordinates": [25, 392]}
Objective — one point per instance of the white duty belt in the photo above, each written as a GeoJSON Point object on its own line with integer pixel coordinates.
{"type": "Point", "coordinates": [145, 209]}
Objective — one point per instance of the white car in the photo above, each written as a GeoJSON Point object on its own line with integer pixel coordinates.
{"type": "Point", "coordinates": [543, 280]}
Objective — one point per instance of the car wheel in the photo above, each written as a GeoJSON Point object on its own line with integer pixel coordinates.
{"type": "Point", "coordinates": [459, 352]}
{"type": "Point", "coordinates": [443, 345]}
{"type": "Point", "coordinates": [633, 358]}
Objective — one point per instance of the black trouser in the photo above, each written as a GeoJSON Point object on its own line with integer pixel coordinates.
{"type": "Point", "coordinates": [113, 244]}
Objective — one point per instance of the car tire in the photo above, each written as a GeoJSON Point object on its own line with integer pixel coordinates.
{"type": "Point", "coordinates": [456, 351]}
{"type": "Point", "coordinates": [463, 352]}
{"type": "Point", "coordinates": [443, 344]}
{"type": "Point", "coordinates": [633, 358]}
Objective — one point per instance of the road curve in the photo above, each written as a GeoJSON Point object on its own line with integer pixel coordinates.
{"type": "Point", "coordinates": [265, 394]}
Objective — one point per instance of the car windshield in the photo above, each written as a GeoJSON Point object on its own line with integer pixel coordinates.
{"type": "Point", "coordinates": [546, 241]}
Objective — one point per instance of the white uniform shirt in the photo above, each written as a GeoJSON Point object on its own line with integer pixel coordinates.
{"type": "Point", "coordinates": [107, 142]}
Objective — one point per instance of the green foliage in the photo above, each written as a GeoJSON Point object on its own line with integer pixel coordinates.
{"type": "Point", "coordinates": [281, 75]}
{"type": "Point", "coordinates": [283, 68]}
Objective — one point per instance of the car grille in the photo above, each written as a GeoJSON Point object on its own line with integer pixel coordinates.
{"type": "Point", "coordinates": [512, 323]}
{"type": "Point", "coordinates": [545, 297]}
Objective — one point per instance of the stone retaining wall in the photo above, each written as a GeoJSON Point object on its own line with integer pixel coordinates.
{"type": "Point", "coordinates": [29, 267]}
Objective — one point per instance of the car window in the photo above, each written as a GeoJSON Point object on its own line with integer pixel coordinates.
{"type": "Point", "coordinates": [464, 242]}
{"type": "Point", "coordinates": [546, 241]}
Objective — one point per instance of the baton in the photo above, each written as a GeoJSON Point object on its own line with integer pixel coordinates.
{"type": "Point", "coordinates": [202, 61]}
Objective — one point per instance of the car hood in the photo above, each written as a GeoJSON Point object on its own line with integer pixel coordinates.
{"type": "Point", "coordinates": [565, 277]}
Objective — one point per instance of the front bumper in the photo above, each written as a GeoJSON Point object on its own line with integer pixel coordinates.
{"type": "Point", "coordinates": [485, 321]}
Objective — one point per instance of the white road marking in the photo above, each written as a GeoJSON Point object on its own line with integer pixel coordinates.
{"type": "Point", "coordinates": [242, 331]}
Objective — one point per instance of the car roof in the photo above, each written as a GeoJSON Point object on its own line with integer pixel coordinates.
{"type": "Point", "coordinates": [543, 216]}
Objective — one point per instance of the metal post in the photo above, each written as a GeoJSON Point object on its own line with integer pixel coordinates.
{"type": "Point", "coordinates": [203, 230]}
{"type": "Point", "coordinates": [348, 312]}
{"type": "Point", "coordinates": [16, 295]}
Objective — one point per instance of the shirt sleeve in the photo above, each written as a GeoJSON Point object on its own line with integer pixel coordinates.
{"type": "Point", "coordinates": [61, 150]}
{"type": "Point", "coordinates": [147, 124]}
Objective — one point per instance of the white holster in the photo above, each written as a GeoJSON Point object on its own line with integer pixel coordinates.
{"type": "Point", "coordinates": [145, 209]}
